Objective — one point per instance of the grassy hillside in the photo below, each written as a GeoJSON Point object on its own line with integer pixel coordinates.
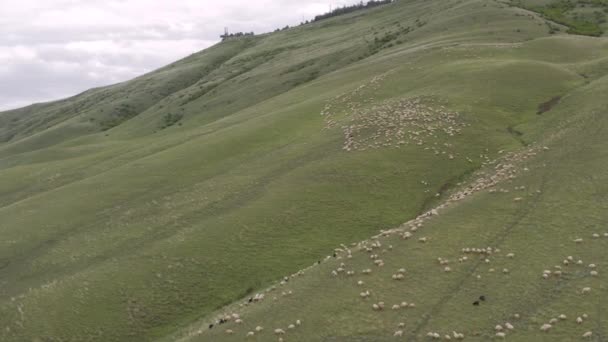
{"type": "Point", "coordinates": [140, 211]}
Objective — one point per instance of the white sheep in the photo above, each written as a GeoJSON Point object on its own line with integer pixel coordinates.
{"type": "Point", "coordinates": [259, 328]}
{"type": "Point", "coordinates": [579, 320]}
{"type": "Point", "coordinates": [298, 322]}
{"type": "Point", "coordinates": [553, 321]}
{"type": "Point", "coordinates": [509, 326]}
{"type": "Point", "coordinates": [498, 328]}
{"type": "Point", "coordinates": [291, 327]}
{"type": "Point", "coordinates": [588, 334]}
{"type": "Point", "coordinates": [563, 317]}
{"type": "Point", "coordinates": [501, 335]}
{"type": "Point", "coordinates": [229, 332]}
{"type": "Point", "coordinates": [279, 332]}
{"type": "Point", "coordinates": [579, 240]}
{"type": "Point", "coordinates": [447, 269]}
{"type": "Point", "coordinates": [250, 334]}
{"type": "Point", "coordinates": [398, 333]}
{"type": "Point", "coordinates": [586, 290]}
{"type": "Point", "coordinates": [360, 283]}
{"type": "Point", "coordinates": [511, 255]}
{"type": "Point", "coordinates": [545, 327]}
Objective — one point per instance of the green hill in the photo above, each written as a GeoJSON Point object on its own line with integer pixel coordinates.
{"type": "Point", "coordinates": [150, 209]}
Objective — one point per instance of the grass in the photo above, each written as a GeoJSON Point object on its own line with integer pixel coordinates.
{"type": "Point", "coordinates": [219, 175]}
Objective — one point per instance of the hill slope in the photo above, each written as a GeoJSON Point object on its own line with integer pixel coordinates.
{"type": "Point", "coordinates": [130, 211]}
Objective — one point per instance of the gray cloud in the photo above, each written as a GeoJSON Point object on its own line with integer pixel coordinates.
{"type": "Point", "coordinates": [56, 48]}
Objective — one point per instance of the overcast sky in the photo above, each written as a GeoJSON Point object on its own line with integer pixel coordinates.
{"type": "Point", "coordinates": [50, 49]}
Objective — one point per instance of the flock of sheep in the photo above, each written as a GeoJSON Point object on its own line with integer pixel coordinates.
{"type": "Point", "coordinates": [391, 123]}
{"type": "Point", "coordinates": [386, 127]}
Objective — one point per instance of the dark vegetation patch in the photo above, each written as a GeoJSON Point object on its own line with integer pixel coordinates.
{"type": "Point", "coordinates": [563, 12]}
{"type": "Point", "coordinates": [547, 106]}
{"type": "Point", "coordinates": [170, 119]}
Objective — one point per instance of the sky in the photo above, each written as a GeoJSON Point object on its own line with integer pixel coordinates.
{"type": "Point", "coordinates": [51, 49]}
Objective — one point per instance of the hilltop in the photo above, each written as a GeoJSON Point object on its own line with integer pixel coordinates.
{"type": "Point", "coordinates": [415, 139]}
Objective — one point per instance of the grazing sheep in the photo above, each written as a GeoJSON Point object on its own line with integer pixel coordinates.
{"type": "Point", "coordinates": [511, 255]}
{"type": "Point", "coordinates": [447, 269]}
{"type": "Point", "coordinates": [298, 322]}
{"type": "Point", "coordinates": [423, 240]}
{"type": "Point", "coordinates": [238, 321]}
{"type": "Point", "coordinates": [396, 307]}
{"type": "Point", "coordinates": [258, 328]}
{"type": "Point", "coordinates": [546, 327]}
{"type": "Point", "coordinates": [229, 332]}
{"type": "Point", "coordinates": [364, 294]}
{"type": "Point", "coordinates": [593, 273]}
{"type": "Point", "coordinates": [501, 335]}
{"type": "Point", "coordinates": [553, 321]}
{"type": "Point", "coordinates": [279, 332]}
{"type": "Point", "coordinates": [250, 334]}
{"type": "Point", "coordinates": [579, 320]}
{"type": "Point", "coordinates": [588, 334]}
{"type": "Point", "coordinates": [509, 326]}
{"type": "Point", "coordinates": [401, 325]}
{"type": "Point", "coordinates": [398, 333]}
{"type": "Point", "coordinates": [291, 327]}
{"type": "Point", "coordinates": [498, 328]}
{"type": "Point", "coordinates": [596, 235]}
{"type": "Point", "coordinates": [505, 270]}
{"type": "Point", "coordinates": [586, 290]}
{"type": "Point", "coordinates": [579, 240]}
{"type": "Point", "coordinates": [563, 317]}
{"type": "Point", "coordinates": [458, 336]}
{"type": "Point", "coordinates": [592, 265]}
{"type": "Point", "coordinates": [516, 316]}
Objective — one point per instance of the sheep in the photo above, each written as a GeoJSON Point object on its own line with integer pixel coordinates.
{"type": "Point", "coordinates": [259, 328]}
{"type": "Point", "coordinates": [585, 316]}
{"type": "Point", "coordinates": [360, 283]}
{"type": "Point", "coordinates": [592, 265]}
{"type": "Point", "coordinates": [501, 335]}
{"type": "Point", "coordinates": [396, 307]}
{"type": "Point", "coordinates": [498, 328]}
{"type": "Point", "coordinates": [298, 322]}
{"type": "Point", "coordinates": [238, 321]}
{"type": "Point", "coordinates": [563, 317]}
{"type": "Point", "coordinates": [364, 294]}
{"type": "Point", "coordinates": [505, 270]}
{"type": "Point", "coordinates": [250, 334]}
{"type": "Point", "coordinates": [585, 290]}
{"type": "Point", "coordinates": [447, 269]}
{"type": "Point", "coordinates": [579, 320]}
{"type": "Point", "coordinates": [366, 271]}
{"type": "Point", "coordinates": [580, 262]}
{"type": "Point", "coordinates": [593, 273]}
{"type": "Point", "coordinates": [291, 327]}
{"type": "Point", "coordinates": [401, 325]}
{"type": "Point", "coordinates": [596, 235]}
{"type": "Point", "coordinates": [279, 332]}
{"type": "Point", "coordinates": [509, 326]}
{"type": "Point", "coordinates": [516, 316]}
{"type": "Point", "coordinates": [545, 327]}
{"type": "Point", "coordinates": [458, 336]}
{"type": "Point", "coordinates": [511, 255]}
{"type": "Point", "coordinates": [229, 332]}
{"type": "Point", "coordinates": [398, 333]}
{"type": "Point", "coordinates": [579, 240]}
{"type": "Point", "coordinates": [570, 258]}
{"type": "Point", "coordinates": [553, 321]}
{"type": "Point", "coordinates": [398, 276]}
{"type": "Point", "coordinates": [404, 304]}
{"type": "Point", "coordinates": [423, 240]}
{"type": "Point", "coordinates": [401, 270]}
{"type": "Point", "coordinates": [588, 334]}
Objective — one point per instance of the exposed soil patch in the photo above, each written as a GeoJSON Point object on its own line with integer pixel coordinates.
{"type": "Point", "coordinates": [547, 106]}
